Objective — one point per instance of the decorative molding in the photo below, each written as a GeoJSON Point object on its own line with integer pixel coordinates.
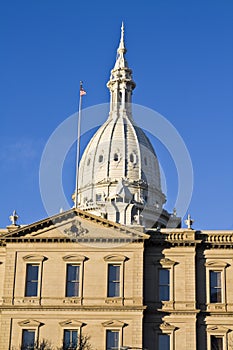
{"type": "Point", "coordinates": [74, 258]}
{"type": "Point", "coordinates": [76, 230]}
{"type": "Point", "coordinates": [166, 262]}
{"type": "Point", "coordinates": [30, 323]}
{"type": "Point", "coordinates": [216, 263]}
{"type": "Point", "coordinates": [167, 327]}
{"type": "Point", "coordinates": [114, 323]}
{"type": "Point", "coordinates": [115, 258]}
{"type": "Point", "coordinates": [220, 330]}
{"type": "Point", "coordinates": [72, 323]}
{"type": "Point", "coordinates": [34, 258]}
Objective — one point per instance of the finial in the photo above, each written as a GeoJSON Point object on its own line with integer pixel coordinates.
{"type": "Point", "coordinates": [13, 218]}
{"type": "Point", "coordinates": [121, 47]}
{"type": "Point", "coordinates": [189, 221]}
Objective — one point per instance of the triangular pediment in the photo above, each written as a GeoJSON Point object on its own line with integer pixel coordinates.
{"type": "Point", "coordinates": [71, 323]}
{"type": "Point", "coordinates": [30, 323]}
{"type": "Point", "coordinates": [78, 226]}
{"type": "Point", "coordinates": [114, 323]}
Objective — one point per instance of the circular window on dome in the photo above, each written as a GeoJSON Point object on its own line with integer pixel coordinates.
{"type": "Point", "coordinates": [116, 157]}
{"type": "Point", "coordinates": [101, 158]}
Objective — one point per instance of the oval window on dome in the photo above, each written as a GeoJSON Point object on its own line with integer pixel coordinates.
{"type": "Point", "coordinates": [115, 157]}
{"type": "Point", "coordinates": [88, 161]}
{"type": "Point", "coordinates": [133, 158]}
{"type": "Point", "coordinates": [145, 161]}
{"type": "Point", "coordinates": [101, 158]}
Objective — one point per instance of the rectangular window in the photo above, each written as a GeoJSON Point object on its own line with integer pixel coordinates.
{"type": "Point", "coordinates": [72, 280]}
{"type": "Point", "coordinates": [32, 274]}
{"type": "Point", "coordinates": [164, 284]}
{"type": "Point", "coordinates": [70, 339]}
{"type": "Point", "coordinates": [28, 341]}
{"type": "Point", "coordinates": [216, 342]}
{"type": "Point", "coordinates": [113, 340]}
{"type": "Point", "coordinates": [215, 287]}
{"type": "Point", "coordinates": [164, 342]}
{"type": "Point", "coordinates": [113, 280]}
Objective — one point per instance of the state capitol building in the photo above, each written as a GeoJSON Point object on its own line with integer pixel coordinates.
{"type": "Point", "coordinates": [116, 271]}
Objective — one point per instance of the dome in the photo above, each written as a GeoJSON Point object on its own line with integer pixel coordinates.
{"type": "Point", "coordinates": [119, 175]}
{"type": "Point", "coordinates": [119, 151]}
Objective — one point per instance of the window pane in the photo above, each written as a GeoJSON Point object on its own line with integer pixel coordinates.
{"type": "Point", "coordinates": [113, 280]}
{"type": "Point", "coordinates": [32, 280]}
{"type": "Point", "coordinates": [216, 343]}
{"type": "Point", "coordinates": [72, 280]}
{"type": "Point", "coordinates": [164, 342]}
{"type": "Point", "coordinates": [164, 276]}
{"type": "Point", "coordinates": [164, 284]}
{"type": "Point", "coordinates": [215, 287]}
{"type": "Point", "coordinates": [112, 340]}
{"type": "Point", "coordinates": [70, 339]}
{"type": "Point", "coordinates": [28, 339]}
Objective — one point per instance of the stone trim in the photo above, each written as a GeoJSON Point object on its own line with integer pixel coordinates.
{"type": "Point", "coordinates": [113, 324]}
{"type": "Point", "coordinates": [74, 258]}
{"type": "Point", "coordinates": [34, 258]}
{"type": "Point", "coordinates": [115, 258]}
{"type": "Point", "coordinates": [72, 323]}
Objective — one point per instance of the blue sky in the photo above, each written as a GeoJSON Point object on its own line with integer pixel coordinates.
{"type": "Point", "coordinates": [181, 53]}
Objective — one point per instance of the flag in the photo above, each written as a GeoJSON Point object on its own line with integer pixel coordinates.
{"type": "Point", "coordinates": [82, 91]}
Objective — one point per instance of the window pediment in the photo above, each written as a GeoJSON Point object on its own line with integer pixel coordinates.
{"type": "Point", "coordinates": [216, 263]}
{"type": "Point", "coordinates": [115, 258]}
{"type": "Point", "coordinates": [166, 262]}
{"type": "Point", "coordinates": [34, 258]}
{"type": "Point", "coordinates": [74, 258]}
{"type": "Point", "coordinates": [30, 323]}
{"type": "Point", "coordinates": [167, 327]}
{"type": "Point", "coordinates": [114, 323]}
{"type": "Point", "coordinates": [220, 330]}
{"type": "Point", "coordinates": [72, 323]}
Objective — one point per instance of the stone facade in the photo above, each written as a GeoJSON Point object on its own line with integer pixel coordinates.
{"type": "Point", "coordinates": [188, 316]}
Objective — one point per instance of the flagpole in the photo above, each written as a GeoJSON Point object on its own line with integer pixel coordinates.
{"type": "Point", "coordinates": [78, 145]}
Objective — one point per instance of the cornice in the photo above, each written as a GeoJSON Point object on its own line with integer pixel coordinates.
{"type": "Point", "coordinates": [72, 307]}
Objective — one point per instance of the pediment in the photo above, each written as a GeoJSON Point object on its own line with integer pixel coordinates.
{"type": "Point", "coordinates": [167, 327]}
{"type": "Point", "coordinates": [30, 323]}
{"type": "Point", "coordinates": [216, 264]}
{"type": "Point", "coordinates": [71, 323]}
{"type": "Point", "coordinates": [77, 226]}
{"type": "Point", "coordinates": [114, 323]}
{"type": "Point", "coordinates": [215, 329]}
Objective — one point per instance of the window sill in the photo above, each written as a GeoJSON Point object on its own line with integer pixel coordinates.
{"type": "Point", "coordinates": [216, 307]}
{"type": "Point", "coordinates": [27, 301]}
{"type": "Point", "coordinates": [114, 300]}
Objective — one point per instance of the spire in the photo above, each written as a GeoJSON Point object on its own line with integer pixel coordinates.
{"type": "Point", "coordinates": [121, 51]}
{"type": "Point", "coordinates": [121, 83]}
{"type": "Point", "coordinates": [122, 48]}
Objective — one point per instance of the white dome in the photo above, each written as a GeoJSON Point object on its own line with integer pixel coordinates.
{"type": "Point", "coordinates": [119, 174]}
{"type": "Point", "coordinates": [119, 150]}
